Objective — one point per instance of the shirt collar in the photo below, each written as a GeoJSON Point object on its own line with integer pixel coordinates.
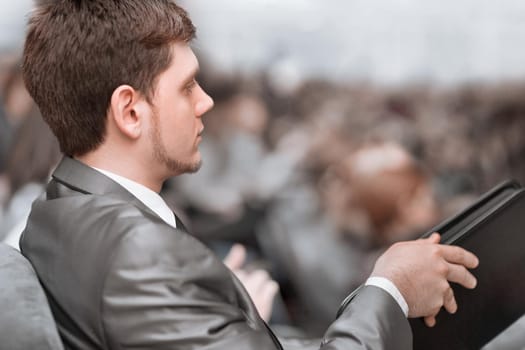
{"type": "Point", "coordinates": [150, 198]}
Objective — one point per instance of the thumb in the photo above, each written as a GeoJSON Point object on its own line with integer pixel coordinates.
{"type": "Point", "coordinates": [434, 238]}
{"type": "Point", "coordinates": [236, 257]}
{"type": "Point", "coordinates": [430, 321]}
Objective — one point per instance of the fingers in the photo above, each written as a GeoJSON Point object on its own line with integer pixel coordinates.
{"type": "Point", "coordinates": [430, 266]}
{"type": "Point", "coordinates": [236, 257]}
{"type": "Point", "coordinates": [449, 301]}
{"type": "Point", "coordinates": [259, 285]}
{"type": "Point", "coordinates": [270, 289]}
{"type": "Point", "coordinates": [459, 274]}
{"type": "Point", "coordinates": [430, 321]}
{"type": "Point", "coordinates": [258, 279]}
{"type": "Point", "coordinates": [457, 255]}
{"type": "Point", "coordinates": [260, 282]}
{"type": "Point", "coordinates": [261, 288]}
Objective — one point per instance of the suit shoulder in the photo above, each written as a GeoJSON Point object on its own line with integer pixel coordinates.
{"type": "Point", "coordinates": [135, 233]}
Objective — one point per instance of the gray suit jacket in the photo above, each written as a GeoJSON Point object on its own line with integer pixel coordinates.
{"type": "Point", "coordinates": [118, 277]}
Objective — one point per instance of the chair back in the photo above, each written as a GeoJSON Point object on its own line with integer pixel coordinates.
{"type": "Point", "coordinates": [26, 321]}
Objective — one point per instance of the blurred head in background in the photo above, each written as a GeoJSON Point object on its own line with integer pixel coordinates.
{"type": "Point", "coordinates": [34, 152]}
{"type": "Point", "coordinates": [15, 105]}
{"type": "Point", "coordinates": [380, 194]}
{"type": "Point", "coordinates": [16, 100]}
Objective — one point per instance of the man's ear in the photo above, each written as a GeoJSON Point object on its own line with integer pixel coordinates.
{"type": "Point", "coordinates": [128, 109]}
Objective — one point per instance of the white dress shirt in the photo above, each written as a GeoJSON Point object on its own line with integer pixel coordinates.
{"type": "Point", "coordinates": [150, 198]}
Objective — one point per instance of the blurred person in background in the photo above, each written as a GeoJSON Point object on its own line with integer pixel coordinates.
{"type": "Point", "coordinates": [33, 155]}
{"type": "Point", "coordinates": [16, 100]}
{"type": "Point", "coordinates": [4, 138]}
{"type": "Point", "coordinates": [384, 195]}
{"type": "Point", "coordinates": [4, 148]}
{"type": "Point", "coordinates": [15, 106]}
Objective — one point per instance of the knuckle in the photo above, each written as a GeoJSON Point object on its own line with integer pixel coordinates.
{"type": "Point", "coordinates": [435, 304]}
{"type": "Point", "coordinates": [435, 251]}
{"type": "Point", "coordinates": [465, 275]}
{"type": "Point", "coordinates": [436, 310]}
{"type": "Point", "coordinates": [443, 269]}
{"type": "Point", "coordinates": [459, 254]}
{"type": "Point", "coordinates": [444, 287]}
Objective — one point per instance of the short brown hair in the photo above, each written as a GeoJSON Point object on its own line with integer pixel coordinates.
{"type": "Point", "coordinates": [77, 52]}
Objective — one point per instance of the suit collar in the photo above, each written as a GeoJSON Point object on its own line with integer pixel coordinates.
{"type": "Point", "coordinates": [83, 178]}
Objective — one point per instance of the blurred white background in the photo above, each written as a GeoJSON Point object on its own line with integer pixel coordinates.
{"type": "Point", "coordinates": [383, 41]}
{"type": "Point", "coordinates": [379, 40]}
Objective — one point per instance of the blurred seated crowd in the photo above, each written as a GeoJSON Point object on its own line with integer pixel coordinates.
{"type": "Point", "coordinates": [315, 180]}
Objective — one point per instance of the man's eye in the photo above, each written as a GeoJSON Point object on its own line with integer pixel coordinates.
{"type": "Point", "coordinates": [190, 86]}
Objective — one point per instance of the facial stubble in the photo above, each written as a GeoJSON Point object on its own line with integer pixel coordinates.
{"type": "Point", "coordinates": [161, 154]}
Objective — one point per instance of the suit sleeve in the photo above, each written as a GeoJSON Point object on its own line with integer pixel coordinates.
{"type": "Point", "coordinates": [164, 290]}
{"type": "Point", "coordinates": [369, 319]}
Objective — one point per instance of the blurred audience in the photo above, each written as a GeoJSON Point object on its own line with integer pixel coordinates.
{"type": "Point", "coordinates": [317, 181]}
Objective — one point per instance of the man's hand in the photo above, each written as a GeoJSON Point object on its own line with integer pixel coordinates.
{"type": "Point", "coordinates": [261, 288]}
{"type": "Point", "coordinates": [422, 270]}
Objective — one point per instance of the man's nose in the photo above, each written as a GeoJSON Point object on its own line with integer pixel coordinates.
{"type": "Point", "coordinates": [204, 104]}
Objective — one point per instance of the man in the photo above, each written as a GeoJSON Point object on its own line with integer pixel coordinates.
{"type": "Point", "coordinates": [115, 80]}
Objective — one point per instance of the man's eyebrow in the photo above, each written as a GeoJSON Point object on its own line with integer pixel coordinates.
{"type": "Point", "coordinates": [191, 76]}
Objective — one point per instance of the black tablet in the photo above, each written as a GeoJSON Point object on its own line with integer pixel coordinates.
{"type": "Point", "coordinates": [493, 228]}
